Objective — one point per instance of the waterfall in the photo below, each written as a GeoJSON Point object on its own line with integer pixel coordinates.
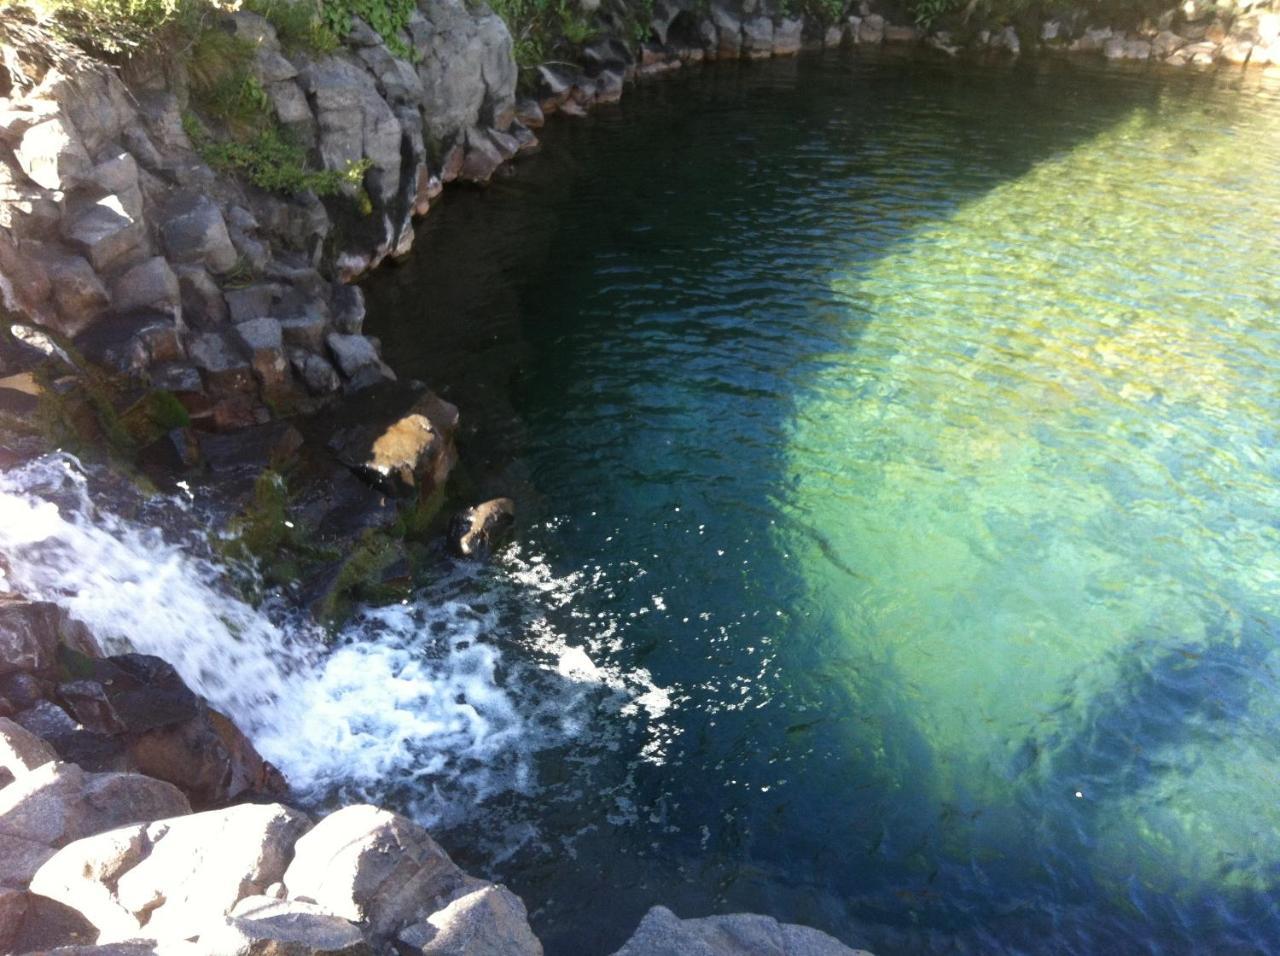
{"type": "Point", "coordinates": [417, 696]}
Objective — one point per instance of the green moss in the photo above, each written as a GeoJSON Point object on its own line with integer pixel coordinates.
{"type": "Point", "coordinates": [361, 577]}
{"type": "Point", "coordinates": [153, 415]}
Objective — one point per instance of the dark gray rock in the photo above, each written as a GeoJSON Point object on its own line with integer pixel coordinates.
{"type": "Point", "coordinates": [105, 233]}
{"type": "Point", "coordinates": [194, 231]}
{"type": "Point", "coordinates": [372, 867]}
{"type": "Point", "coordinates": [148, 285]}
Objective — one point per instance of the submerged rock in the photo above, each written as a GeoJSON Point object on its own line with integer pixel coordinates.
{"type": "Point", "coordinates": [662, 933]}
{"type": "Point", "coordinates": [473, 533]}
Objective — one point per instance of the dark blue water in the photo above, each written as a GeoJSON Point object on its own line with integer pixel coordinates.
{"type": "Point", "coordinates": [896, 448]}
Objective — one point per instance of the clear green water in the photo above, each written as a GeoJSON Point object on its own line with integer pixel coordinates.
{"type": "Point", "coordinates": [914, 426]}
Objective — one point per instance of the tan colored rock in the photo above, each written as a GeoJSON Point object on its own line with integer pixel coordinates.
{"type": "Point", "coordinates": [490, 920]}
{"type": "Point", "coordinates": [374, 867]}
{"type": "Point", "coordinates": [201, 865]}
{"type": "Point", "coordinates": [83, 875]}
{"type": "Point", "coordinates": [263, 926]}
{"type": "Point", "coordinates": [662, 933]}
{"type": "Point", "coordinates": [58, 803]}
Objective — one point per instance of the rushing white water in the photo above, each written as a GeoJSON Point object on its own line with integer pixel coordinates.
{"type": "Point", "coordinates": [416, 697]}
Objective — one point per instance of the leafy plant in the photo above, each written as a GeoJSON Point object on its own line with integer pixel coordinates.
{"type": "Point", "coordinates": [271, 162]}
{"type": "Point", "coordinates": [298, 24]}
{"type": "Point", "coordinates": [106, 26]}
{"type": "Point", "coordinates": [387, 17]}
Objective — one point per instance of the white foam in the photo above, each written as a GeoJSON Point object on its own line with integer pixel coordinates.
{"type": "Point", "coordinates": [415, 698]}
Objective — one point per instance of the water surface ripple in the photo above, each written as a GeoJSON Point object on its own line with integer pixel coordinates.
{"type": "Point", "coordinates": [913, 427]}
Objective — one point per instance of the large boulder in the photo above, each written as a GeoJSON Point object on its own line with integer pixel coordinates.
{"type": "Point", "coordinates": [52, 154]}
{"type": "Point", "coordinates": [168, 880]}
{"type": "Point", "coordinates": [194, 232]}
{"type": "Point", "coordinates": [466, 68]}
{"type": "Point", "coordinates": [58, 803]}
{"type": "Point", "coordinates": [375, 868]}
{"type": "Point", "coordinates": [662, 933]}
{"type": "Point", "coordinates": [354, 122]}
{"type": "Point", "coordinates": [21, 751]}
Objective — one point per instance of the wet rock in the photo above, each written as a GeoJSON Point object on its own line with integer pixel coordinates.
{"type": "Point", "coordinates": [729, 31]}
{"type": "Point", "coordinates": [490, 919]}
{"type": "Point", "coordinates": [662, 933]}
{"type": "Point", "coordinates": [318, 376]}
{"type": "Point", "coordinates": [373, 867]}
{"type": "Point", "coordinates": [482, 159]}
{"type": "Point", "coordinates": [529, 113]}
{"type": "Point", "coordinates": [1165, 43]}
{"type": "Point", "coordinates": [473, 533]}
{"type": "Point", "coordinates": [31, 633]}
{"type": "Point", "coordinates": [403, 445]}
{"type": "Point", "coordinates": [194, 231]}
{"type": "Point", "coordinates": [358, 360]}
{"type": "Point", "coordinates": [247, 453]}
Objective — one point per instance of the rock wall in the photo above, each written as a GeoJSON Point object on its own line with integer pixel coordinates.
{"type": "Point", "coordinates": [116, 235]}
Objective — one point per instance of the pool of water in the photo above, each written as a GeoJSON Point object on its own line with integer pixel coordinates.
{"type": "Point", "coordinates": [910, 429]}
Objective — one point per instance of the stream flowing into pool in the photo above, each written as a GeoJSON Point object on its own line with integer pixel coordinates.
{"type": "Point", "coordinates": [899, 551]}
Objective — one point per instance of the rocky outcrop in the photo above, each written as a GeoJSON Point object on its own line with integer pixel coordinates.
{"type": "Point", "coordinates": [263, 879]}
{"type": "Point", "coordinates": [662, 933]}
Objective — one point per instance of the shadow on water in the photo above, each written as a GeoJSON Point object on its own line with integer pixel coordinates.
{"type": "Point", "coordinates": [627, 324]}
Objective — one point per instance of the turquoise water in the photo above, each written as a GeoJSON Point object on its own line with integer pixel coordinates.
{"type": "Point", "coordinates": [911, 428]}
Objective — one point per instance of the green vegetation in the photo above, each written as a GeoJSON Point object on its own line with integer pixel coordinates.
{"type": "Point", "coordinates": [298, 24]}
{"type": "Point", "coordinates": [825, 12]}
{"type": "Point", "coordinates": [539, 28]}
{"type": "Point", "coordinates": [270, 161]}
{"type": "Point", "coordinates": [387, 17]}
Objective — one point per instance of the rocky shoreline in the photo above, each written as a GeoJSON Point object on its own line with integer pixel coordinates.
{"type": "Point", "coordinates": [199, 328]}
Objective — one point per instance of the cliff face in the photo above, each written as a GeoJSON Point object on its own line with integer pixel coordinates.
{"type": "Point", "coordinates": [116, 234]}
